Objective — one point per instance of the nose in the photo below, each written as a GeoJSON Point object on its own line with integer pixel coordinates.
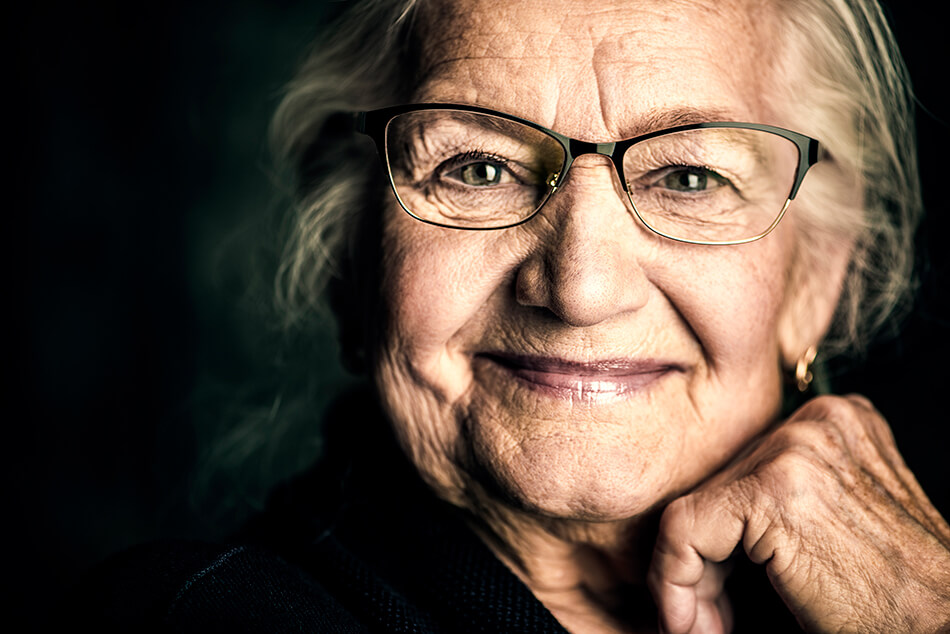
{"type": "Point", "coordinates": [586, 268]}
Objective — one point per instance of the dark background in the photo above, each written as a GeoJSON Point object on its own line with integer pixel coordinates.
{"type": "Point", "coordinates": [141, 183]}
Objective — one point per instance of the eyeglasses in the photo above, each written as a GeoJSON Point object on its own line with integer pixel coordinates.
{"type": "Point", "coordinates": [467, 167]}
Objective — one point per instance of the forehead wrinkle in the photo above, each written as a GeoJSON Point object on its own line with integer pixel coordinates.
{"type": "Point", "coordinates": [752, 29]}
{"type": "Point", "coordinates": [527, 39]}
{"type": "Point", "coordinates": [466, 35]}
{"type": "Point", "coordinates": [599, 52]}
{"type": "Point", "coordinates": [443, 63]}
{"type": "Point", "coordinates": [584, 103]}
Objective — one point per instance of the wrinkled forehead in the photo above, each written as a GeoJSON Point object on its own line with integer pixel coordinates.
{"type": "Point", "coordinates": [603, 70]}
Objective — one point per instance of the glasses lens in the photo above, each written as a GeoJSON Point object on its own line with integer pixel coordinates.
{"type": "Point", "coordinates": [711, 184]}
{"type": "Point", "coordinates": [470, 170]}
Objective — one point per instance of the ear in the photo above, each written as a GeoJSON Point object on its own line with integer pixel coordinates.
{"type": "Point", "coordinates": [813, 294]}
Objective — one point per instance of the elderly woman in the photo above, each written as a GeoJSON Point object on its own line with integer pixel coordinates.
{"type": "Point", "coordinates": [589, 281]}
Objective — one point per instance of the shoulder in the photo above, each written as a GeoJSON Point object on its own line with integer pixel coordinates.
{"type": "Point", "coordinates": [193, 586]}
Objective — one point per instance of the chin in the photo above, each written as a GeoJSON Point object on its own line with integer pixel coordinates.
{"type": "Point", "coordinates": [554, 478]}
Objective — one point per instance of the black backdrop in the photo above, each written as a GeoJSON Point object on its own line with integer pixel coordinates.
{"type": "Point", "coordinates": [140, 174]}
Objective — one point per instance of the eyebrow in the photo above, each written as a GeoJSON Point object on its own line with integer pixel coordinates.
{"type": "Point", "coordinates": [652, 120]}
{"type": "Point", "coordinates": [657, 119]}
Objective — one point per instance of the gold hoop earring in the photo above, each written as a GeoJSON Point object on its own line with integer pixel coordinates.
{"type": "Point", "coordinates": [803, 374]}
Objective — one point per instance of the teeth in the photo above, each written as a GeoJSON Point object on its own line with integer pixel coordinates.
{"type": "Point", "coordinates": [578, 382]}
{"type": "Point", "coordinates": [590, 389]}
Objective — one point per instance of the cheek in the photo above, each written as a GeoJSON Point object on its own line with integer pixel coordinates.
{"type": "Point", "coordinates": [732, 298]}
{"type": "Point", "coordinates": [434, 284]}
{"type": "Point", "coordinates": [434, 281]}
{"type": "Point", "coordinates": [733, 301]}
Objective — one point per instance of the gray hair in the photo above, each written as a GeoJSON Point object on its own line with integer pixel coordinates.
{"type": "Point", "coordinates": [357, 66]}
{"type": "Point", "coordinates": [856, 96]}
{"type": "Point", "coordinates": [857, 101]}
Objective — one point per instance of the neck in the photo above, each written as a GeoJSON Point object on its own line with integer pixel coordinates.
{"type": "Point", "coordinates": [590, 575]}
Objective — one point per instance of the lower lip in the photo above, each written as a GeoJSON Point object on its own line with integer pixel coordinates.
{"type": "Point", "coordinates": [599, 383]}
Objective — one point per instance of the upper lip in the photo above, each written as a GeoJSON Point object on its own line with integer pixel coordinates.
{"type": "Point", "coordinates": [600, 368]}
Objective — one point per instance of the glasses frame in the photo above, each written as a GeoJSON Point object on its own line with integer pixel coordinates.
{"type": "Point", "coordinates": [374, 124]}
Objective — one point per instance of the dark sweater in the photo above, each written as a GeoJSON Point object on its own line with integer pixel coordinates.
{"type": "Point", "coordinates": [359, 544]}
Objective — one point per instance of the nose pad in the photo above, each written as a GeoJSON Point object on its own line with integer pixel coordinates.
{"type": "Point", "coordinates": [585, 269]}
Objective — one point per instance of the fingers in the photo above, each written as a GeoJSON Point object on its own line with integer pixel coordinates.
{"type": "Point", "coordinates": [825, 500]}
{"type": "Point", "coordinates": [707, 608]}
{"type": "Point", "coordinates": [678, 606]}
{"type": "Point", "coordinates": [708, 619]}
{"type": "Point", "coordinates": [695, 532]}
{"type": "Point", "coordinates": [713, 612]}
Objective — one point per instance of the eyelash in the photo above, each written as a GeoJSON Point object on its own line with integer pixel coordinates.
{"type": "Point", "coordinates": [472, 156]}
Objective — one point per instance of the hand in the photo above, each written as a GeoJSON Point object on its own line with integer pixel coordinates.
{"type": "Point", "coordinates": [850, 540]}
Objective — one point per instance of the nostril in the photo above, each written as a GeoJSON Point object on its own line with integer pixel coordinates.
{"type": "Point", "coordinates": [530, 286]}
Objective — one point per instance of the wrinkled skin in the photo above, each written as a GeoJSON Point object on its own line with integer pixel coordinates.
{"type": "Point", "coordinates": [562, 486]}
{"type": "Point", "coordinates": [849, 539]}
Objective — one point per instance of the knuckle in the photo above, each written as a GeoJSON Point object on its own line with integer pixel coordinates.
{"type": "Point", "coordinates": [676, 516]}
{"type": "Point", "coordinates": [851, 426]}
{"type": "Point", "coordinates": [795, 467]}
{"type": "Point", "coordinates": [791, 477]}
{"type": "Point", "coordinates": [812, 436]}
{"type": "Point", "coordinates": [861, 401]}
{"type": "Point", "coordinates": [829, 408]}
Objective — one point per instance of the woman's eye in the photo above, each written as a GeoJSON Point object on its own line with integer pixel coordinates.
{"type": "Point", "coordinates": [480, 174]}
{"type": "Point", "coordinates": [691, 179]}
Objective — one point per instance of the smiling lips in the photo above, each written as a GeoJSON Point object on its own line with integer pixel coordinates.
{"type": "Point", "coordinates": [573, 379]}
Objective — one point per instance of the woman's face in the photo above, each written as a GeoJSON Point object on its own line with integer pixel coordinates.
{"type": "Point", "coordinates": [579, 366]}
